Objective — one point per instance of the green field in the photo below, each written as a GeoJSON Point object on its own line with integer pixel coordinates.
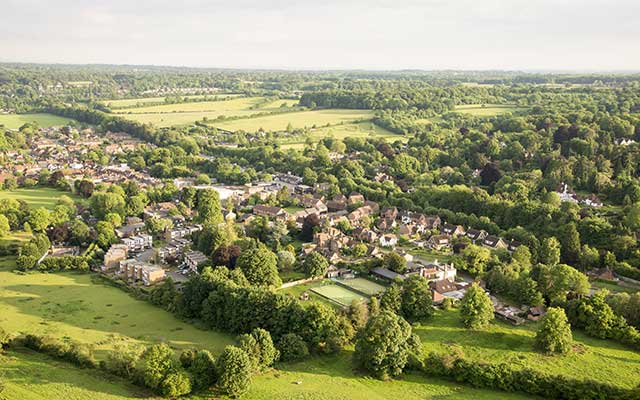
{"type": "Point", "coordinates": [487, 110]}
{"type": "Point", "coordinates": [600, 360]}
{"type": "Point", "coordinates": [355, 130]}
{"type": "Point", "coordinates": [188, 113]}
{"type": "Point", "coordinates": [130, 103]}
{"type": "Point", "coordinates": [37, 197]}
{"type": "Point", "coordinates": [364, 285]}
{"type": "Point", "coordinates": [337, 293]}
{"type": "Point", "coordinates": [72, 305]}
{"type": "Point", "coordinates": [31, 376]}
{"type": "Point", "coordinates": [15, 121]}
{"type": "Point", "coordinates": [298, 120]}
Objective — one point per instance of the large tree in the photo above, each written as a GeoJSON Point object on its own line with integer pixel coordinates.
{"type": "Point", "coordinates": [260, 266]}
{"type": "Point", "coordinates": [209, 207]}
{"type": "Point", "coordinates": [417, 304]}
{"type": "Point", "coordinates": [395, 262]}
{"type": "Point", "coordinates": [315, 265]}
{"type": "Point", "coordinates": [234, 371]}
{"type": "Point", "coordinates": [554, 334]}
{"type": "Point", "coordinates": [476, 309]}
{"type": "Point", "coordinates": [382, 347]}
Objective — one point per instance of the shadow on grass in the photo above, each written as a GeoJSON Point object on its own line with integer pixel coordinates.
{"type": "Point", "coordinates": [32, 368]}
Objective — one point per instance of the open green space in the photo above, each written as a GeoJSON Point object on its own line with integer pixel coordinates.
{"type": "Point", "coordinates": [600, 360]}
{"type": "Point", "coordinates": [333, 378]}
{"type": "Point", "coordinates": [32, 376]}
{"type": "Point", "coordinates": [142, 101]}
{"type": "Point", "coordinates": [355, 130]}
{"type": "Point", "coordinates": [337, 293]}
{"type": "Point", "coordinates": [73, 305]}
{"type": "Point", "coordinates": [298, 120]}
{"type": "Point", "coordinates": [187, 113]}
{"type": "Point", "coordinates": [487, 110]}
{"type": "Point", "coordinates": [363, 285]}
{"type": "Point", "coordinates": [37, 197]}
{"type": "Point", "coordinates": [15, 121]}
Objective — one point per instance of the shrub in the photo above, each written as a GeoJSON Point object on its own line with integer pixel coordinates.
{"type": "Point", "coordinates": [292, 348]}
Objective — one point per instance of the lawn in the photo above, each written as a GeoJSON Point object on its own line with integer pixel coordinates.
{"type": "Point", "coordinates": [600, 360]}
{"type": "Point", "coordinates": [363, 285]}
{"type": "Point", "coordinates": [37, 197]}
{"type": "Point", "coordinates": [73, 305]}
{"type": "Point", "coordinates": [339, 294]}
{"type": "Point", "coordinates": [487, 110]}
{"type": "Point", "coordinates": [32, 376]}
{"type": "Point", "coordinates": [15, 121]}
{"type": "Point", "coordinates": [297, 120]}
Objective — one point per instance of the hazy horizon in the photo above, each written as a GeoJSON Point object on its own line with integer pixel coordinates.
{"type": "Point", "coordinates": [382, 35]}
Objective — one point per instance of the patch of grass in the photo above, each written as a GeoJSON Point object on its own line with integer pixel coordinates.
{"type": "Point", "coordinates": [355, 130]}
{"type": "Point", "coordinates": [364, 285]}
{"type": "Point", "coordinates": [600, 360]}
{"type": "Point", "coordinates": [38, 197]}
{"type": "Point", "coordinates": [15, 121]}
{"type": "Point", "coordinates": [333, 378]}
{"type": "Point", "coordinates": [487, 110]}
{"type": "Point", "coordinates": [32, 376]}
{"type": "Point", "coordinates": [73, 306]}
{"type": "Point", "coordinates": [298, 120]}
{"type": "Point", "coordinates": [339, 294]}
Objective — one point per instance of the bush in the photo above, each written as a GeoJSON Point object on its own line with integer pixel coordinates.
{"type": "Point", "coordinates": [292, 348]}
{"type": "Point", "coordinates": [175, 385]}
{"type": "Point", "coordinates": [234, 371]}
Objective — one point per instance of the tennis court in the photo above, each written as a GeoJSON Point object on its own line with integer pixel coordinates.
{"type": "Point", "coordinates": [339, 294]}
{"type": "Point", "coordinates": [363, 285]}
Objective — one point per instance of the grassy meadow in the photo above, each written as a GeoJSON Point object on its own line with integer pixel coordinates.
{"type": "Point", "coordinates": [487, 110]}
{"type": "Point", "coordinates": [73, 305]}
{"type": "Point", "coordinates": [15, 121]}
{"type": "Point", "coordinates": [130, 103]}
{"type": "Point", "coordinates": [601, 360]}
{"type": "Point", "coordinates": [354, 130]}
{"type": "Point", "coordinates": [298, 120]}
{"type": "Point", "coordinates": [38, 196]}
{"type": "Point", "coordinates": [32, 376]}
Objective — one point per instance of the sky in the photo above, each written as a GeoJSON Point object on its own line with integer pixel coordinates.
{"type": "Point", "coordinates": [563, 35]}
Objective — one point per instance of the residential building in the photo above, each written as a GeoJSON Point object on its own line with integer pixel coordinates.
{"type": "Point", "coordinates": [194, 259]}
{"type": "Point", "coordinates": [138, 242]}
{"type": "Point", "coordinates": [112, 258]}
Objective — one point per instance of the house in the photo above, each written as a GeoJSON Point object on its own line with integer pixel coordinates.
{"type": "Point", "coordinates": [476, 235]}
{"type": "Point", "coordinates": [336, 205]}
{"type": "Point", "coordinates": [453, 230]}
{"type": "Point", "coordinates": [388, 240]}
{"type": "Point", "coordinates": [431, 222]}
{"type": "Point", "coordinates": [386, 274]}
{"type": "Point", "coordinates": [407, 229]}
{"type": "Point", "coordinates": [494, 242]}
{"type": "Point", "coordinates": [138, 242]}
{"type": "Point", "coordinates": [386, 224]}
{"type": "Point", "coordinates": [178, 233]}
{"type": "Point", "coordinates": [112, 258]}
{"type": "Point", "coordinates": [355, 198]}
{"type": "Point", "coordinates": [129, 230]}
{"type": "Point", "coordinates": [366, 235]}
{"type": "Point", "coordinates": [513, 245]}
{"type": "Point", "coordinates": [173, 250]}
{"type": "Point", "coordinates": [432, 271]}
{"type": "Point", "coordinates": [194, 259]}
{"type": "Point", "coordinates": [438, 242]}
{"type": "Point", "coordinates": [445, 288]}
{"type": "Point", "coordinates": [271, 212]}
{"type": "Point", "coordinates": [310, 202]}
{"type": "Point", "coordinates": [389, 212]}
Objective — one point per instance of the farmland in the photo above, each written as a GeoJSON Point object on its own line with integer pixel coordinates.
{"type": "Point", "coordinates": [341, 131]}
{"type": "Point", "coordinates": [130, 103]}
{"type": "Point", "coordinates": [73, 305]}
{"type": "Point", "coordinates": [600, 360]}
{"type": "Point", "coordinates": [37, 197]}
{"type": "Point", "coordinates": [298, 120]}
{"type": "Point", "coordinates": [15, 121]}
{"type": "Point", "coordinates": [187, 113]}
{"type": "Point", "coordinates": [487, 110]}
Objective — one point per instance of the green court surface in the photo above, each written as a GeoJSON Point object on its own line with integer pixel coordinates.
{"type": "Point", "coordinates": [338, 294]}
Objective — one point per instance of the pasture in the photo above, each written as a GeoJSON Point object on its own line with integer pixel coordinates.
{"type": "Point", "coordinates": [298, 120]}
{"type": "Point", "coordinates": [130, 103]}
{"type": "Point", "coordinates": [365, 130]}
{"type": "Point", "coordinates": [74, 305]}
{"type": "Point", "coordinates": [363, 285]}
{"type": "Point", "coordinates": [187, 113]}
{"type": "Point", "coordinates": [15, 121]}
{"type": "Point", "coordinates": [600, 360]}
{"type": "Point", "coordinates": [487, 110]}
{"type": "Point", "coordinates": [37, 197]}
